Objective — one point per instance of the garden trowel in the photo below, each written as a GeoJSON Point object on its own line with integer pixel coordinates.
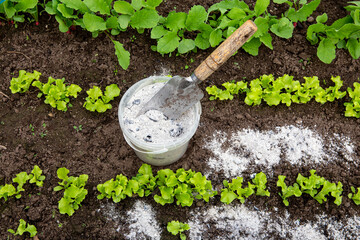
{"type": "Point", "coordinates": [181, 93]}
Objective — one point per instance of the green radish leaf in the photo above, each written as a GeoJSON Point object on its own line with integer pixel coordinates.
{"type": "Point", "coordinates": [137, 4]}
{"type": "Point", "coordinates": [252, 46]}
{"type": "Point", "coordinates": [62, 26]}
{"type": "Point", "coordinates": [175, 20]}
{"type": "Point", "coordinates": [76, 5]}
{"type": "Point", "coordinates": [186, 45]}
{"type": "Point", "coordinates": [283, 28]}
{"type": "Point", "coordinates": [153, 3]}
{"type": "Point", "coordinates": [326, 51]}
{"type": "Point", "coordinates": [94, 23]}
{"type": "Point", "coordinates": [215, 37]}
{"type": "Point", "coordinates": [266, 39]}
{"type": "Point", "coordinates": [197, 16]}
{"type": "Point", "coordinates": [201, 42]}
{"type": "Point", "coordinates": [322, 18]}
{"type": "Point", "coordinates": [261, 6]}
{"type": "Point", "coordinates": [304, 12]}
{"type": "Point", "coordinates": [112, 22]}
{"type": "Point", "coordinates": [353, 45]}
{"type": "Point", "coordinates": [124, 20]}
{"type": "Point", "coordinates": [66, 12]}
{"type": "Point", "coordinates": [98, 6]}
{"type": "Point", "coordinates": [236, 14]}
{"type": "Point", "coordinates": [123, 8]}
{"type": "Point", "coordinates": [123, 56]}
{"type": "Point", "coordinates": [262, 25]}
{"type": "Point", "coordinates": [24, 5]}
{"type": "Point", "coordinates": [158, 31]}
{"type": "Point", "coordinates": [145, 18]}
{"type": "Point", "coordinates": [168, 43]}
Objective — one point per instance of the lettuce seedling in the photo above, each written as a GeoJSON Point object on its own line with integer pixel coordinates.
{"type": "Point", "coordinates": [176, 227]}
{"type": "Point", "coordinates": [114, 189]}
{"type": "Point", "coordinates": [24, 227]}
{"type": "Point", "coordinates": [56, 93]}
{"type": "Point", "coordinates": [234, 190]}
{"type": "Point", "coordinates": [36, 177]}
{"type": "Point", "coordinates": [22, 83]}
{"type": "Point", "coordinates": [20, 179]}
{"type": "Point", "coordinates": [286, 191]}
{"type": "Point", "coordinates": [97, 101]}
{"type": "Point", "coordinates": [8, 190]}
{"type": "Point", "coordinates": [353, 107]}
{"type": "Point", "coordinates": [260, 181]}
{"type": "Point", "coordinates": [74, 191]}
{"type": "Point", "coordinates": [355, 196]}
{"type": "Point", "coordinates": [182, 186]}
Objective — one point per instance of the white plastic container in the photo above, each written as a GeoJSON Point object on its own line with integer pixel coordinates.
{"type": "Point", "coordinates": [157, 154]}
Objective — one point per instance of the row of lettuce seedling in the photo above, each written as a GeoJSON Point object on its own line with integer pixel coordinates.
{"type": "Point", "coordinates": [57, 93]}
{"type": "Point", "coordinates": [266, 88]}
{"type": "Point", "coordinates": [286, 90]}
{"type": "Point", "coordinates": [210, 27]}
{"type": "Point", "coordinates": [181, 187]}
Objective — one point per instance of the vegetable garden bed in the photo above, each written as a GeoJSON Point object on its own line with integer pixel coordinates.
{"type": "Point", "coordinates": [233, 139]}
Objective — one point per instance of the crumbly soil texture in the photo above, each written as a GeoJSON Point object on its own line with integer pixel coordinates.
{"type": "Point", "coordinates": [100, 150]}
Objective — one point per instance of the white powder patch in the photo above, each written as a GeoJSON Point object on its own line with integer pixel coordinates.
{"type": "Point", "coordinates": [297, 145]}
{"type": "Point", "coordinates": [240, 222]}
{"type": "Point", "coordinates": [154, 126]}
{"type": "Point", "coordinates": [143, 224]}
{"type": "Point", "coordinates": [111, 213]}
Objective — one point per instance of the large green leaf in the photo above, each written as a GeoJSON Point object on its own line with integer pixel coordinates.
{"type": "Point", "coordinates": [186, 45]}
{"type": "Point", "coordinates": [65, 11]}
{"type": "Point", "coordinates": [197, 15]}
{"type": "Point", "coordinates": [98, 6]}
{"type": "Point", "coordinates": [261, 6]}
{"type": "Point", "coordinates": [123, 7]}
{"type": "Point", "coordinates": [123, 56]}
{"type": "Point", "coordinates": [215, 37]}
{"type": "Point", "coordinates": [94, 23]}
{"type": "Point", "coordinates": [326, 51]}
{"type": "Point", "coordinates": [252, 46]}
{"type": "Point", "coordinates": [175, 20]}
{"type": "Point", "coordinates": [23, 5]}
{"type": "Point", "coordinates": [353, 45]}
{"type": "Point", "coordinates": [304, 12]}
{"type": "Point", "coordinates": [168, 43]}
{"type": "Point", "coordinates": [145, 18]}
{"type": "Point", "coordinates": [76, 5]}
{"type": "Point", "coordinates": [283, 28]}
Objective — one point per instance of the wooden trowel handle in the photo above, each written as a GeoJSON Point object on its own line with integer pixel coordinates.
{"type": "Point", "coordinates": [225, 50]}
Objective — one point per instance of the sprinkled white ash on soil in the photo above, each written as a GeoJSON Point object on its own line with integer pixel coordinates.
{"type": "Point", "coordinates": [240, 222]}
{"type": "Point", "coordinates": [154, 126]}
{"type": "Point", "coordinates": [143, 224]}
{"type": "Point", "coordinates": [297, 145]}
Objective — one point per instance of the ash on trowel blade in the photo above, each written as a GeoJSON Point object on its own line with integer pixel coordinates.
{"type": "Point", "coordinates": [154, 126]}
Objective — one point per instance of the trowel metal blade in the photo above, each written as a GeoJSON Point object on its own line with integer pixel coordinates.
{"type": "Point", "coordinates": [174, 98]}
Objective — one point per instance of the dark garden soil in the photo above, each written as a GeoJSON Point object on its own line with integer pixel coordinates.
{"type": "Point", "coordinates": [100, 150]}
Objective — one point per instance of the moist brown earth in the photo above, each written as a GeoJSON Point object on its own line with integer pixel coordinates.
{"type": "Point", "coordinates": [100, 150]}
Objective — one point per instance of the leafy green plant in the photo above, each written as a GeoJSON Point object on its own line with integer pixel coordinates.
{"type": "Point", "coordinates": [353, 107]}
{"type": "Point", "coordinates": [300, 10]}
{"type": "Point", "coordinates": [317, 187]}
{"type": "Point", "coordinates": [23, 228]}
{"type": "Point", "coordinates": [36, 176]}
{"type": "Point", "coordinates": [343, 33]}
{"type": "Point", "coordinates": [99, 101]}
{"type": "Point", "coordinates": [355, 196]}
{"type": "Point", "coordinates": [183, 186]}
{"type": "Point", "coordinates": [17, 10]}
{"type": "Point", "coordinates": [286, 191]}
{"type": "Point", "coordinates": [56, 93]}
{"type": "Point", "coordinates": [234, 189]}
{"type": "Point", "coordinates": [74, 191]}
{"type": "Point", "coordinates": [143, 184]}
{"type": "Point", "coordinates": [78, 128]}
{"type": "Point", "coordinates": [22, 83]}
{"type": "Point", "coordinates": [283, 90]}
{"type": "Point", "coordinates": [176, 227]}
{"type": "Point", "coordinates": [8, 190]}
